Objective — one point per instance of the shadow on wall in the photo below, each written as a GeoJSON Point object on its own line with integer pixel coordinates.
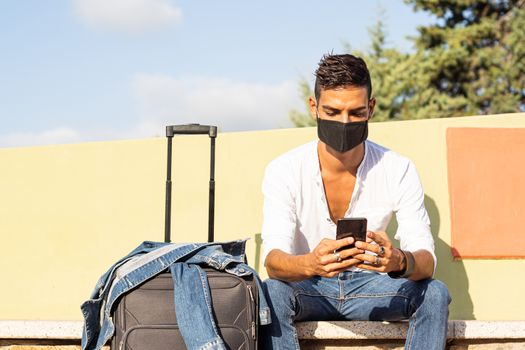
{"type": "Point", "coordinates": [451, 272]}
{"type": "Point", "coordinates": [258, 248]}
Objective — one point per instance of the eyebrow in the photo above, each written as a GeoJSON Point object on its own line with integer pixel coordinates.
{"type": "Point", "coordinates": [352, 111]}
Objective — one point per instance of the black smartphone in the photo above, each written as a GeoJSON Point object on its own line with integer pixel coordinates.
{"type": "Point", "coordinates": [351, 227]}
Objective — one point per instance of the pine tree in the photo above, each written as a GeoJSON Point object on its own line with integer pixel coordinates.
{"type": "Point", "coordinates": [388, 71]}
{"type": "Point", "coordinates": [298, 118]}
{"type": "Point", "coordinates": [472, 61]}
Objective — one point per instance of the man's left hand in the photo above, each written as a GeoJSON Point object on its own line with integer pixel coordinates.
{"type": "Point", "coordinates": [387, 259]}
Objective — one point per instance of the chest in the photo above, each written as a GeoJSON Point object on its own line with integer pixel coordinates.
{"type": "Point", "coordinates": [338, 192]}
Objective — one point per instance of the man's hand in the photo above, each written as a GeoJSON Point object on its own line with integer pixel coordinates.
{"type": "Point", "coordinates": [326, 262]}
{"type": "Point", "coordinates": [322, 261]}
{"type": "Point", "coordinates": [390, 259]}
{"type": "Point", "coordinates": [387, 259]}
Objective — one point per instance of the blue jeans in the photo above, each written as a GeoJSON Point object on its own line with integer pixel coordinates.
{"type": "Point", "coordinates": [358, 296]}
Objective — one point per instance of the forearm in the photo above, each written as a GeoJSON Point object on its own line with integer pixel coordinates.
{"type": "Point", "coordinates": [417, 265]}
{"type": "Point", "coordinates": [424, 265]}
{"type": "Point", "coordinates": [287, 267]}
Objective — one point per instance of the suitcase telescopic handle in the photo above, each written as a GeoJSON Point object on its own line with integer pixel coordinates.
{"type": "Point", "coordinates": [191, 129]}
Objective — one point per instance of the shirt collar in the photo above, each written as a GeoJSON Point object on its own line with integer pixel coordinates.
{"type": "Point", "coordinates": [316, 167]}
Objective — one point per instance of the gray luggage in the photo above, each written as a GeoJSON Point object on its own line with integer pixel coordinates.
{"type": "Point", "coordinates": [145, 318]}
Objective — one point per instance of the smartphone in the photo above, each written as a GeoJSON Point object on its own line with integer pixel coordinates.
{"type": "Point", "coordinates": [351, 227]}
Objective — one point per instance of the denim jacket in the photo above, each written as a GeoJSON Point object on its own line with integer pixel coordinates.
{"type": "Point", "coordinates": [183, 260]}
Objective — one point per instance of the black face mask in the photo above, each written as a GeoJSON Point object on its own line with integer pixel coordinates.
{"type": "Point", "coordinates": [342, 137]}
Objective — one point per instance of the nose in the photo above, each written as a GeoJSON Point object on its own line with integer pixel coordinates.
{"type": "Point", "coordinates": [347, 118]}
{"type": "Point", "coordinates": [351, 118]}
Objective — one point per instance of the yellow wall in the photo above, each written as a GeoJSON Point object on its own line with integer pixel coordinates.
{"type": "Point", "coordinates": [68, 212]}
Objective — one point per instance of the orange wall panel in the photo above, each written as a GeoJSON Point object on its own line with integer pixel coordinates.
{"type": "Point", "coordinates": [486, 176]}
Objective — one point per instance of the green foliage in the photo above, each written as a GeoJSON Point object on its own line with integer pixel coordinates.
{"type": "Point", "coordinates": [388, 68]}
{"type": "Point", "coordinates": [298, 118]}
{"type": "Point", "coordinates": [470, 61]}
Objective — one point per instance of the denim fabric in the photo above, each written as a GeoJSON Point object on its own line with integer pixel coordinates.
{"type": "Point", "coordinates": [150, 259]}
{"type": "Point", "coordinates": [354, 295]}
{"type": "Point", "coordinates": [191, 284]}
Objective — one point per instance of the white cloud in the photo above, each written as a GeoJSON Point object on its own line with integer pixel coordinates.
{"type": "Point", "coordinates": [164, 100]}
{"type": "Point", "coordinates": [131, 16]}
{"type": "Point", "coordinates": [231, 105]}
{"type": "Point", "coordinates": [47, 137]}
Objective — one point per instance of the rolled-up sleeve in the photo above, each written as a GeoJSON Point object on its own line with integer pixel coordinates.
{"type": "Point", "coordinates": [413, 230]}
{"type": "Point", "coordinates": [279, 215]}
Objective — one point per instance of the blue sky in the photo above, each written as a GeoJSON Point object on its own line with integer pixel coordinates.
{"type": "Point", "coordinates": [90, 70]}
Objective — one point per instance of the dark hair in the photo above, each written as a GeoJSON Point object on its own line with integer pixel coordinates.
{"type": "Point", "coordinates": [338, 71]}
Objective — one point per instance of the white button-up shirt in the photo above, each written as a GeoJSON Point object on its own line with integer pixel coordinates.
{"type": "Point", "coordinates": [296, 214]}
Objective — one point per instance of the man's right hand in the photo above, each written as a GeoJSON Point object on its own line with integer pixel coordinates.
{"type": "Point", "coordinates": [326, 261]}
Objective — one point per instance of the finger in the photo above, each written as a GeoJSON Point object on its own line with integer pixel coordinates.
{"type": "Point", "coordinates": [330, 245]}
{"type": "Point", "coordinates": [338, 256]}
{"type": "Point", "coordinates": [329, 269]}
{"type": "Point", "coordinates": [375, 248]}
{"type": "Point", "coordinates": [343, 242]}
{"type": "Point", "coordinates": [379, 237]}
{"type": "Point", "coordinates": [350, 252]}
{"type": "Point", "coordinates": [330, 258]}
{"type": "Point", "coordinates": [341, 266]}
{"type": "Point", "coordinates": [348, 264]}
{"type": "Point", "coordinates": [372, 259]}
{"type": "Point", "coordinates": [371, 267]}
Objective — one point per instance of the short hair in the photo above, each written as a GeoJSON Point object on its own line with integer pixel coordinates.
{"type": "Point", "coordinates": [339, 71]}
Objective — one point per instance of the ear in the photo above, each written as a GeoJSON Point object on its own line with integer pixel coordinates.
{"type": "Point", "coordinates": [313, 107]}
{"type": "Point", "coordinates": [371, 106]}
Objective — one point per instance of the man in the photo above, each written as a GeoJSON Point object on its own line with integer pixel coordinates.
{"type": "Point", "coordinates": [343, 175]}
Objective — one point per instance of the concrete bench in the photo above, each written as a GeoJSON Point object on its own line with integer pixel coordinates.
{"type": "Point", "coordinates": [480, 335]}
{"type": "Point", "coordinates": [326, 335]}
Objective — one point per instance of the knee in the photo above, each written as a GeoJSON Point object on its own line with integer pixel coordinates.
{"type": "Point", "coordinates": [437, 294]}
{"type": "Point", "coordinates": [279, 293]}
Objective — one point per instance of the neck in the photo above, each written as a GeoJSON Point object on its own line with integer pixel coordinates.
{"type": "Point", "coordinates": [334, 161]}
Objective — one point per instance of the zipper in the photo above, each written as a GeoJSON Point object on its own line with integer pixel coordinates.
{"type": "Point", "coordinates": [255, 312]}
{"type": "Point", "coordinates": [251, 292]}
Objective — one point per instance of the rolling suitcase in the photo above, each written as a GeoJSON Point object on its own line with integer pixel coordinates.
{"type": "Point", "coordinates": [145, 318]}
